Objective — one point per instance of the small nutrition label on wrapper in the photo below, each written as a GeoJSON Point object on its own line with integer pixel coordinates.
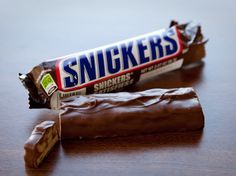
{"type": "Point", "coordinates": [48, 84]}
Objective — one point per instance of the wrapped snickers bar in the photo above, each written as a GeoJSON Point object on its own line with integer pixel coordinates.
{"type": "Point", "coordinates": [123, 114]}
{"type": "Point", "coordinates": [113, 67]}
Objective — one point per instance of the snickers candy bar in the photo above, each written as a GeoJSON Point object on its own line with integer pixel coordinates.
{"type": "Point", "coordinates": [40, 142]}
{"type": "Point", "coordinates": [116, 114]}
{"type": "Point", "coordinates": [114, 67]}
{"type": "Point", "coordinates": [123, 114]}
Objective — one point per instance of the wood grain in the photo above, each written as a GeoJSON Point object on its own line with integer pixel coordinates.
{"type": "Point", "coordinates": [32, 31]}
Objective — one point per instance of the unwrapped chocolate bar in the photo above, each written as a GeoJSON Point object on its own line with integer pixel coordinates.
{"type": "Point", "coordinates": [113, 67]}
{"type": "Point", "coordinates": [117, 114]}
{"type": "Point", "coordinates": [123, 114]}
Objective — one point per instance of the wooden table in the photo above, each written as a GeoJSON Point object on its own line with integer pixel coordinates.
{"type": "Point", "coordinates": [36, 30]}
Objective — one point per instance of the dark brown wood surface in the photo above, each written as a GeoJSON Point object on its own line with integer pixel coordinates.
{"type": "Point", "coordinates": [32, 31]}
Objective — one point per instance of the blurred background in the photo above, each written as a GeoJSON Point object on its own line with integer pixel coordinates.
{"type": "Point", "coordinates": [32, 31]}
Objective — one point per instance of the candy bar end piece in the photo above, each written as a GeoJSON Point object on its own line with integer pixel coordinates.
{"type": "Point", "coordinates": [39, 144]}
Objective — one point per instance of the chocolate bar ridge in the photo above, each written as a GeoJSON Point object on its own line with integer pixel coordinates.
{"type": "Point", "coordinates": [123, 114]}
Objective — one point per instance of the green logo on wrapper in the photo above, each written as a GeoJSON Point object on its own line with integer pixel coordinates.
{"type": "Point", "coordinates": [48, 84]}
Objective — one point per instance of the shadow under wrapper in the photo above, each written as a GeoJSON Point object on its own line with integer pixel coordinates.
{"type": "Point", "coordinates": [187, 76]}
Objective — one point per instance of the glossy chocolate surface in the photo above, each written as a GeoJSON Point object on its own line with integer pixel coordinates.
{"type": "Point", "coordinates": [122, 114]}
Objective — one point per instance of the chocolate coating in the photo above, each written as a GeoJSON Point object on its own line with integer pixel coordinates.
{"type": "Point", "coordinates": [41, 141]}
{"type": "Point", "coordinates": [122, 114]}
